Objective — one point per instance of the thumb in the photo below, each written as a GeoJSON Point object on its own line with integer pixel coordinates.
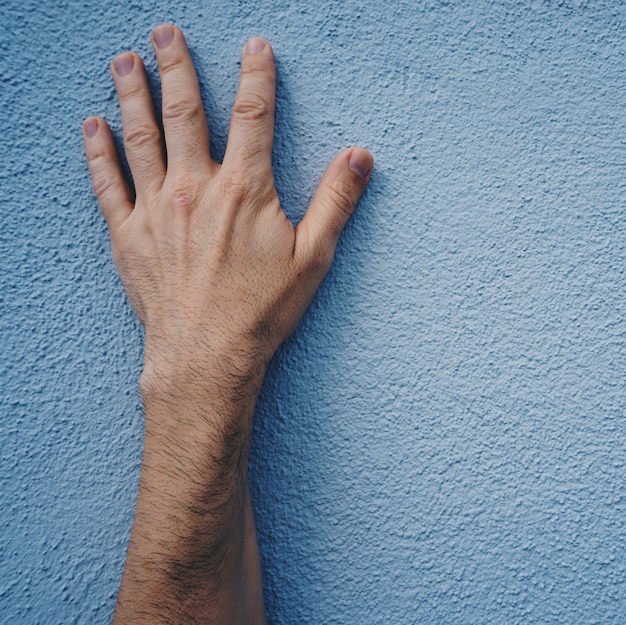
{"type": "Point", "coordinates": [342, 185]}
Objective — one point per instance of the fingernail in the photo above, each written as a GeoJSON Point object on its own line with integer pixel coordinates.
{"type": "Point", "coordinates": [163, 35]}
{"type": "Point", "coordinates": [90, 127]}
{"type": "Point", "coordinates": [123, 64]}
{"type": "Point", "coordinates": [254, 45]}
{"type": "Point", "coordinates": [361, 163]}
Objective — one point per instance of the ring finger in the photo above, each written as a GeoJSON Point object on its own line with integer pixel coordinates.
{"type": "Point", "coordinates": [142, 139]}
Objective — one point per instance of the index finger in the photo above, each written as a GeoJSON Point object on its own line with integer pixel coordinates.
{"type": "Point", "coordinates": [252, 124]}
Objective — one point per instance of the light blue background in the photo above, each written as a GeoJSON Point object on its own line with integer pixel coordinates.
{"type": "Point", "coordinates": [443, 438]}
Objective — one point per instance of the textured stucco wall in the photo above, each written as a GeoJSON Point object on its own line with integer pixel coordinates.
{"type": "Point", "coordinates": [443, 439]}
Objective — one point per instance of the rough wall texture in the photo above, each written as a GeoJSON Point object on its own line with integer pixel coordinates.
{"type": "Point", "coordinates": [443, 439]}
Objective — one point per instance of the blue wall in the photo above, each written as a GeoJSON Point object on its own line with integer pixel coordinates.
{"type": "Point", "coordinates": [443, 438]}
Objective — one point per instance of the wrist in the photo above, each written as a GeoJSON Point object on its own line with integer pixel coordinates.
{"type": "Point", "coordinates": [198, 402]}
{"type": "Point", "coordinates": [187, 369]}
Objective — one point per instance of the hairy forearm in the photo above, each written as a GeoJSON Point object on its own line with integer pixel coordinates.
{"type": "Point", "coordinates": [193, 555]}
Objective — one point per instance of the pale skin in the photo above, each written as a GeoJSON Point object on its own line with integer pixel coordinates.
{"type": "Point", "coordinates": [219, 278]}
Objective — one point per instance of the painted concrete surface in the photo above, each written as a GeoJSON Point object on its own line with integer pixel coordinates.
{"type": "Point", "coordinates": [443, 438]}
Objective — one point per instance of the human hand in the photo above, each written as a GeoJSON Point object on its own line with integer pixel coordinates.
{"type": "Point", "coordinates": [210, 263]}
{"type": "Point", "coordinates": [219, 277]}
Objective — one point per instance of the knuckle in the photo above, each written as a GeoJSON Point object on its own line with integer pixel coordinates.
{"type": "Point", "coordinates": [102, 185]}
{"type": "Point", "coordinates": [141, 135]}
{"type": "Point", "coordinates": [320, 258]}
{"type": "Point", "coordinates": [234, 186]}
{"type": "Point", "coordinates": [96, 158]}
{"type": "Point", "coordinates": [252, 107]}
{"type": "Point", "coordinates": [181, 110]}
{"type": "Point", "coordinates": [259, 67]}
{"type": "Point", "coordinates": [341, 196]}
{"type": "Point", "coordinates": [184, 191]}
{"type": "Point", "coordinates": [131, 92]}
{"type": "Point", "coordinates": [172, 64]}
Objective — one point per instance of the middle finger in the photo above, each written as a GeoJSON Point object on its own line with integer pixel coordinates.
{"type": "Point", "coordinates": [184, 121]}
